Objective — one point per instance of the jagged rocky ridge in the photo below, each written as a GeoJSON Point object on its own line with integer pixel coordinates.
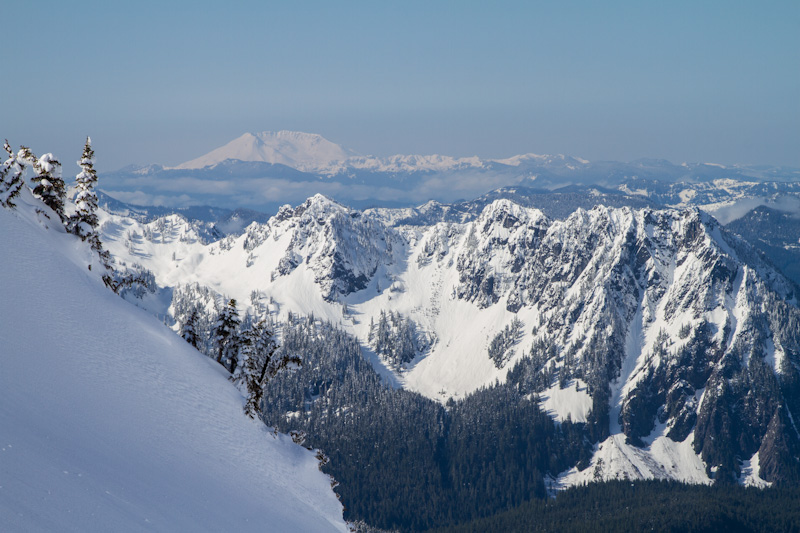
{"type": "Point", "coordinates": [683, 340]}
{"type": "Point", "coordinates": [342, 248]}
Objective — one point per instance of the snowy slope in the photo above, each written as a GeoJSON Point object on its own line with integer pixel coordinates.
{"type": "Point", "coordinates": [108, 421]}
{"type": "Point", "coordinates": [303, 151]}
{"type": "Point", "coordinates": [662, 458]}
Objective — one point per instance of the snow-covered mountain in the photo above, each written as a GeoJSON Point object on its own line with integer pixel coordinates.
{"type": "Point", "coordinates": [668, 336]}
{"type": "Point", "coordinates": [111, 422]}
{"type": "Point", "coordinates": [303, 151]}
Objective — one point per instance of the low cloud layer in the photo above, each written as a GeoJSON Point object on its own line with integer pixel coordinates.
{"type": "Point", "coordinates": [266, 193]}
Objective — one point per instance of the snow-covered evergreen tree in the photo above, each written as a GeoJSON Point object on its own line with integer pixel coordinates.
{"type": "Point", "coordinates": [396, 338]}
{"type": "Point", "coordinates": [259, 363]}
{"type": "Point", "coordinates": [500, 349]}
{"type": "Point", "coordinates": [189, 331]}
{"type": "Point", "coordinates": [194, 300]}
{"type": "Point", "coordinates": [11, 177]}
{"type": "Point", "coordinates": [133, 280]}
{"type": "Point", "coordinates": [48, 183]}
{"type": "Point", "coordinates": [226, 336]}
{"type": "Point", "coordinates": [83, 222]}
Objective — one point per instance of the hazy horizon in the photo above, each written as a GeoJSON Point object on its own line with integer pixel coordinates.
{"type": "Point", "coordinates": [151, 83]}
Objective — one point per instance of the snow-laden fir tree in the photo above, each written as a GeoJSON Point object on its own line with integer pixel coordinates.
{"type": "Point", "coordinates": [189, 330]}
{"type": "Point", "coordinates": [226, 335]}
{"type": "Point", "coordinates": [48, 183]}
{"type": "Point", "coordinates": [502, 343]}
{"type": "Point", "coordinates": [83, 222]}
{"type": "Point", "coordinates": [260, 362]}
{"type": "Point", "coordinates": [395, 337]}
{"type": "Point", "coordinates": [11, 177]}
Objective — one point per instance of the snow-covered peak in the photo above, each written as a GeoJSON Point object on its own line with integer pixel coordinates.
{"type": "Point", "coordinates": [503, 208]}
{"type": "Point", "coordinates": [319, 204]}
{"type": "Point", "coordinates": [303, 151]}
{"type": "Point", "coordinates": [342, 248]}
{"type": "Point", "coordinates": [311, 152]}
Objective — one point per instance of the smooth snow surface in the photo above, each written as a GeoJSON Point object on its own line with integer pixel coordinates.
{"type": "Point", "coordinates": [572, 401]}
{"type": "Point", "coordinates": [750, 475]}
{"type": "Point", "coordinates": [662, 459]}
{"type": "Point", "coordinates": [110, 422]}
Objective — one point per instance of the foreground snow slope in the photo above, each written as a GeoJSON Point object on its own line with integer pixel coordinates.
{"type": "Point", "coordinates": [110, 422]}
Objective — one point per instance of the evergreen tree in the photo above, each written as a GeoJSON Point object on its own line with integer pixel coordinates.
{"type": "Point", "coordinates": [395, 337]}
{"type": "Point", "coordinates": [83, 222]}
{"type": "Point", "coordinates": [189, 331]}
{"type": "Point", "coordinates": [260, 362]}
{"type": "Point", "coordinates": [226, 336]}
{"type": "Point", "coordinates": [49, 185]}
{"type": "Point", "coordinates": [11, 181]}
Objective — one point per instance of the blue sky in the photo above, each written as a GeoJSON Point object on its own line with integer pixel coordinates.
{"type": "Point", "coordinates": [164, 83]}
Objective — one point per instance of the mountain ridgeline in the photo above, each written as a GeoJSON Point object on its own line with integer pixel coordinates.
{"type": "Point", "coordinates": [455, 366]}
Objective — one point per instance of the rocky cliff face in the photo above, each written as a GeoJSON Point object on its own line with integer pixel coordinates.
{"type": "Point", "coordinates": [341, 247]}
{"type": "Point", "coordinates": [674, 324]}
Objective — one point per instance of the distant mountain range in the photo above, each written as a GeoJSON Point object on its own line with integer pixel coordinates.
{"type": "Point", "coordinates": [265, 170]}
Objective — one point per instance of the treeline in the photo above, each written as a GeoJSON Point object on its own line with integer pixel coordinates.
{"type": "Point", "coordinates": [402, 460]}
{"type": "Point", "coordinates": [618, 506]}
{"type": "Point", "coordinates": [77, 213]}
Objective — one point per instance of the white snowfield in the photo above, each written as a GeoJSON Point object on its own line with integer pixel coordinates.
{"type": "Point", "coordinates": [110, 422]}
{"type": "Point", "coordinates": [662, 458]}
{"type": "Point", "coordinates": [573, 401]}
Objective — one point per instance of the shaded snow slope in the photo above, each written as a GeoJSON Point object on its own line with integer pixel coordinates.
{"type": "Point", "coordinates": [109, 421]}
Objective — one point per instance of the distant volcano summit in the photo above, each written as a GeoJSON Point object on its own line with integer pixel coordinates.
{"type": "Point", "coordinates": [303, 151]}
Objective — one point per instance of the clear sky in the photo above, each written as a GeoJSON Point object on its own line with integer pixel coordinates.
{"type": "Point", "coordinates": [164, 82]}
